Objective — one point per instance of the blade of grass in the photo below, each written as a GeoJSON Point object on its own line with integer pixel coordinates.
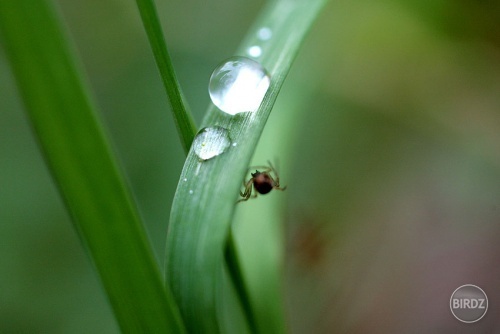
{"type": "Point", "coordinates": [232, 259]}
{"type": "Point", "coordinates": [182, 116]}
{"type": "Point", "coordinates": [205, 200]}
{"type": "Point", "coordinates": [81, 163]}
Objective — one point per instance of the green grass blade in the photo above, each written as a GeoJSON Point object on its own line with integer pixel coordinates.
{"type": "Point", "coordinates": [182, 115]}
{"type": "Point", "coordinates": [207, 192]}
{"type": "Point", "coordinates": [81, 163]}
{"type": "Point", "coordinates": [235, 272]}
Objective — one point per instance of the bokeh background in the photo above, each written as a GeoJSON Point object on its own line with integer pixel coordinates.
{"type": "Point", "coordinates": [388, 136]}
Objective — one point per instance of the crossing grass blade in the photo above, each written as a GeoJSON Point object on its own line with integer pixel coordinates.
{"type": "Point", "coordinates": [206, 195]}
{"type": "Point", "coordinates": [182, 116]}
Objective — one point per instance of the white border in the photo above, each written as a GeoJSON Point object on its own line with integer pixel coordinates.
{"type": "Point", "coordinates": [487, 304]}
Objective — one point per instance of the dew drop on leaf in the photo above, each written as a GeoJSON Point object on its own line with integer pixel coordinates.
{"type": "Point", "coordinates": [238, 85]}
{"type": "Point", "coordinates": [264, 33]}
{"type": "Point", "coordinates": [211, 142]}
{"type": "Point", "coordinates": [254, 51]}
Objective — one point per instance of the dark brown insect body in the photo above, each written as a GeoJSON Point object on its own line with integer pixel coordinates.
{"type": "Point", "coordinates": [262, 182]}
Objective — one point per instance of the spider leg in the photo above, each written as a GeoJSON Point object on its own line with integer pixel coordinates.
{"type": "Point", "coordinates": [277, 179]}
{"type": "Point", "coordinates": [245, 198]}
{"type": "Point", "coordinates": [277, 187]}
{"type": "Point", "coordinates": [272, 169]}
{"type": "Point", "coordinates": [271, 165]}
{"type": "Point", "coordinates": [246, 185]}
{"type": "Point", "coordinates": [247, 192]}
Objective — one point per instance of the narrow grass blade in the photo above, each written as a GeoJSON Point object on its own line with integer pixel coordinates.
{"type": "Point", "coordinates": [81, 163]}
{"type": "Point", "coordinates": [182, 115]}
{"type": "Point", "coordinates": [236, 274]}
{"type": "Point", "coordinates": [207, 192]}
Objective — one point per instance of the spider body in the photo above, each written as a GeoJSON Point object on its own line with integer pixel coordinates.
{"type": "Point", "coordinates": [262, 182]}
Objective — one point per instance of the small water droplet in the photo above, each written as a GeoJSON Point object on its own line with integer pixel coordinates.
{"type": "Point", "coordinates": [265, 34]}
{"type": "Point", "coordinates": [190, 191]}
{"type": "Point", "coordinates": [210, 142]}
{"type": "Point", "coordinates": [185, 180]}
{"type": "Point", "coordinates": [234, 144]}
{"type": "Point", "coordinates": [238, 85]}
{"type": "Point", "coordinates": [254, 51]}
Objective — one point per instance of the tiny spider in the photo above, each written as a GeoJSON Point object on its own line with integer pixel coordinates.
{"type": "Point", "coordinates": [262, 182]}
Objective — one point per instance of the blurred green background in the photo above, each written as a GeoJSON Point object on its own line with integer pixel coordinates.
{"type": "Point", "coordinates": [387, 133]}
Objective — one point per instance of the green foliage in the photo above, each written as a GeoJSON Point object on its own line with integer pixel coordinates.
{"type": "Point", "coordinates": [386, 131]}
{"type": "Point", "coordinates": [92, 186]}
{"type": "Point", "coordinates": [207, 192]}
{"type": "Point", "coordinates": [182, 116]}
{"type": "Point", "coordinates": [81, 162]}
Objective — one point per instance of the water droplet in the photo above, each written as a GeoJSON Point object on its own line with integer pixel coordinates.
{"type": "Point", "coordinates": [190, 191]}
{"type": "Point", "coordinates": [238, 85]}
{"type": "Point", "coordinates": [185, 180]}
{"type": "Point", "coordinates": [265, 34]}
{"type": "Point", "coordinates": [254, 51]}
{"type": "Point", "coordinates": [210, 142]}
{"type": "Point", "coordinates": [234, 144]}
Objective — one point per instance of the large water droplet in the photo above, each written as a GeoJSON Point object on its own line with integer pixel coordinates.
{"type": "Point", "coordinates": [210, 142]}
{"type": "Point", "coordinates": [238, 85]}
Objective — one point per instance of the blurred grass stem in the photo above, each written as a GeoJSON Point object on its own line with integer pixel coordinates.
{"type": "Point", "coordinates": [180, 109]}
{"type": "Point", "coordinates": [83, 167]}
